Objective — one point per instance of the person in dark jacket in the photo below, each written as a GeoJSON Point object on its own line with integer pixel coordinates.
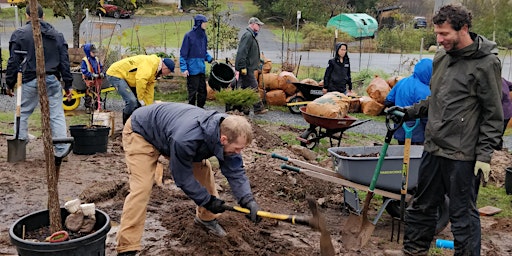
{"type": "Point", "coordinates": [408, 91]}
{"type": "Point", "coordinates": [337, 75]}
{"type": "Point", "coordinates": [248, 60]}
{"type": "Point", "coordinates": [92, 72]}
{"type": "Point", "coordinates": [56, 61]}
{"type": "Point", "coordinates": [506, 87]}
{"type": "Point", "coordinates": [193, 54]}
{"type": "Point", "coordinates": [188, 136]}
{"type": "Point", "coordinates": [465, 123]}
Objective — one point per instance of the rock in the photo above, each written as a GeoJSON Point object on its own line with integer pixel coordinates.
{"type": "Point", "coordinates": [304, 152]}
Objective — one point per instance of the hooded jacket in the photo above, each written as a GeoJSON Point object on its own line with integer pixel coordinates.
{"type": "Point", "coordinates": [90, 65]}
{"type": "Point", "coordinates": [193, 52]}
{"type": "Point", "coordinates": [139, 71]}
{"type": "Point", "coordinates": [248, 53]}
{"type": "Point", "coordinates": [408, 91]}
{"type": "Point", "coordinates": [188, 134]}
{"type": "Point", "coordinates": [56, 58]}
{"type": "Point", "coordinates": [465, 116]}
{"type": "Point", "coordinates": [337, 75]}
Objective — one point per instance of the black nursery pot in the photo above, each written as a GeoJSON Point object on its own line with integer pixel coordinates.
{"type": "Point", "coordinates": [92, 244]}
{"type": "Point", "coordinates": [89, 140]}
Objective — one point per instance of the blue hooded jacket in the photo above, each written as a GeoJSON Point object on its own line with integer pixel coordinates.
{"type": "Point", "coordinates": [193, 50]}
{"type": "Point", "coordinates": [93, 61]}
{"type": "Point", "coordinates": [411, 90]}
{"type": "Point", "coordinates": [188, 134]}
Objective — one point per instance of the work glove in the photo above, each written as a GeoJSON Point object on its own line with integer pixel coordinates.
{"type": "Point", "coordinates": [142, 103]}
{"type": "Point", "coordinates": [395, 118]}
{"type": "Point", "coordinates": [215, 205]}
{"type": "Point", "coordinates": [254, 207]}
{"type": "Point", "coordinates": [243, 71]}
{"type": "Point", "coordinates": [95, 75]}
{"type": "Point", "coordinates": [89, 211]}
{"type": "Point", "coordinates": [486, 169]}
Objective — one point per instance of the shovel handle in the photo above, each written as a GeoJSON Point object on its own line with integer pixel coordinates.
{"type": "Point", "coordinates": [284, 158]}
{"type": "Point", "coordinates": [293, 219]}
{"type": "Point", "coordinates": [289, 167]}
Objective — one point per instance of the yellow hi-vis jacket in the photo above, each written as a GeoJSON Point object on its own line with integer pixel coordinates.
{"type": "Point", "coordinates": [139, 71]}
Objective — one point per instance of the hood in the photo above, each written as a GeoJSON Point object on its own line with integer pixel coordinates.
{"type": "Point", "coordinates": [480, 48]}
{"type": "Point", "coordinates": [423, 70]}
{"type": "Point", "coordinates": [47, 30]}
{"type": "Point", "coordinates": [87, 49]}
{"type": "Point", "coordinates": [198, 20]}
{"type": "Point", "coordinates": [210, 124]}
{"type": "Point", "coordinates": [338, 45]}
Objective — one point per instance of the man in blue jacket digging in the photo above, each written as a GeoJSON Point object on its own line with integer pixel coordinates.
{"type": "Point", "coordinates": [188, 135]}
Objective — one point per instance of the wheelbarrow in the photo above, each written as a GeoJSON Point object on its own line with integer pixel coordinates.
{"type": "Point", "coordinates": [321, 127]}
{"type": "Point", "coordinates": [82, 89]}
{"type": "Point", "coordinates": [307, 94]}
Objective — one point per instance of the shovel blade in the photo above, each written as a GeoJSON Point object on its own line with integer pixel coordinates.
{"type": "Point", "coordinates": [16, 150]}
{"type": "Point", "coordinates": [357, 232]}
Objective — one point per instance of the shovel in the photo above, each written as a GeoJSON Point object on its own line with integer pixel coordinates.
{"type": "Point", "coordinates": [317, 222]}
{"type": "Point", "coordinates": [405, 171]}
{"type": "Point", "coordinates": [358, 229]}
{"type": "Point", "coordinates": [16, 148]}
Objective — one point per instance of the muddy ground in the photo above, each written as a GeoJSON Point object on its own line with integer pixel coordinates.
{"type": "Point", "coordinates": [170, 229]}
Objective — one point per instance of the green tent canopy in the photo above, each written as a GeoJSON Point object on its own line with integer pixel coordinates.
{"type": "Point", "coordinates": [357, 25]}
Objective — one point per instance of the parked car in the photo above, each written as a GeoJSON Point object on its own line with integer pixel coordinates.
{"type": "Point", "coordinates": [420, 22]}
{"type": "Point", "coordinates": [113, 11]}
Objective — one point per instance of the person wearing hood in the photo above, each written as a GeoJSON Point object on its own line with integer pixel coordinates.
{"type": "Point", "coordinates": [248, 60]}
{"type": "Point", "coordinates": [408, 91]}
{"type": "Point", "coordinates": [465, 123]}
{"type": "Point", "coordinates": [188, 136]}
{"type": "Point", "coordinates": [193, 54]}
{"type": "Point", "coordinates": [92, 71]}
{"type": "Point", "coordinates": [56, 66]}
{"type": "Point", "coordinates": [134, 79]}
{"type": "Point", "coordinates": [337, 75]}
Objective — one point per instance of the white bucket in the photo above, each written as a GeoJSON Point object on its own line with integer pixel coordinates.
{"type": "Point", "coordinates": [105, 118]}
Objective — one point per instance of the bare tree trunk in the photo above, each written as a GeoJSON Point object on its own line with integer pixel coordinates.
{"type": "Point", "coordinates": [51, 175]}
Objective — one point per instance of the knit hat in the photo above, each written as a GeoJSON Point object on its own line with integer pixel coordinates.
{"type": "Point", "coordinates": [169, 63]}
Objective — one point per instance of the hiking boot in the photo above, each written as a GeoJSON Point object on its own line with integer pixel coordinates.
{"type": "Point", "coordinates": [130, 253]}
{"type": "Point", "coordinates": [212, 226]}
{"type": "Point", "coordinates": [263, 111]}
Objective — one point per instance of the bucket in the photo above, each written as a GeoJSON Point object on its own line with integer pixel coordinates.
{"type": "Point", "coordinates": [508, 180]}
{"type": "Point", "coordinates": [221, 76]}
{"type": "Point", "coordinates": [89, 140]}
{"type": "Point", "coordinates": [91, 244]}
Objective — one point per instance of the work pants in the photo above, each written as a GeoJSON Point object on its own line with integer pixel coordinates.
{"type": "Point", "coordinates": [141, 159]}
{"type": "Point", "coordinates": [196, 88]}
{"type": "Point", "coordinates": [439, 176]}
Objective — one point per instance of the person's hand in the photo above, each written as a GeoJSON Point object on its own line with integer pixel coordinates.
{"type": "Point", "coordinates": [243, 71]}
{"type": "Point", "coordinates": [102, 75]}
{"type": "Point", "coordinates": [397, 119]}
{"type": "Point", "coordinates": [142, 103]}
{"type": "Point", "coordinates": [485, 167]}
{"type": "Point", "coordinates": [324, 91]}
{"type": "Point", "coordinates": [254, 207]}
{"type": "Point", "coordinates": [95, 75]}
{"type": "Point", "coordinates": [215, 205]}
{"type": "Point", "coordinates": [185, 73]}
{"type": "Point", "coordinates": [68, 95]}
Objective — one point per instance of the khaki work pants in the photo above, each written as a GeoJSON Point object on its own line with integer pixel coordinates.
{"type": "Point", "coordinates": [141, 159]}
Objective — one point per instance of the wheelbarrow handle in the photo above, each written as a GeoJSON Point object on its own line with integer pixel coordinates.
{"type": "Point", "coordinates": [284, 158]}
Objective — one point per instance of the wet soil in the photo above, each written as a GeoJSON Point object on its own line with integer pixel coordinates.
{"type": "Point", "coordinates": [170, 229]}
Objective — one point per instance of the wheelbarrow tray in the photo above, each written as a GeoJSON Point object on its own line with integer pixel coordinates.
{"type": "Point", "coordinates": [355, 164]}
{"type": "Point", "coordinates": [310, 92]}
{"type": "Point", "coordinates": [325, 122]}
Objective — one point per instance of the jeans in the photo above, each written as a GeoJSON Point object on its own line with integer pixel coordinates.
{"type": "Point", "coordinates": [130, 99]}
{"type": "Point", "coordinates": [29, 101]}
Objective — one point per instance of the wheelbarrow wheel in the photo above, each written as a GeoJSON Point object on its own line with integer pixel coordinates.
{"type": "Point", "coordinates": [309, 135]}
{"type": "Point", "coordinates": [295, 109]}
{"type": "Point", "coordinates": [443, 216]}
{"type": "Point", "coordinates": [72, 104]}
